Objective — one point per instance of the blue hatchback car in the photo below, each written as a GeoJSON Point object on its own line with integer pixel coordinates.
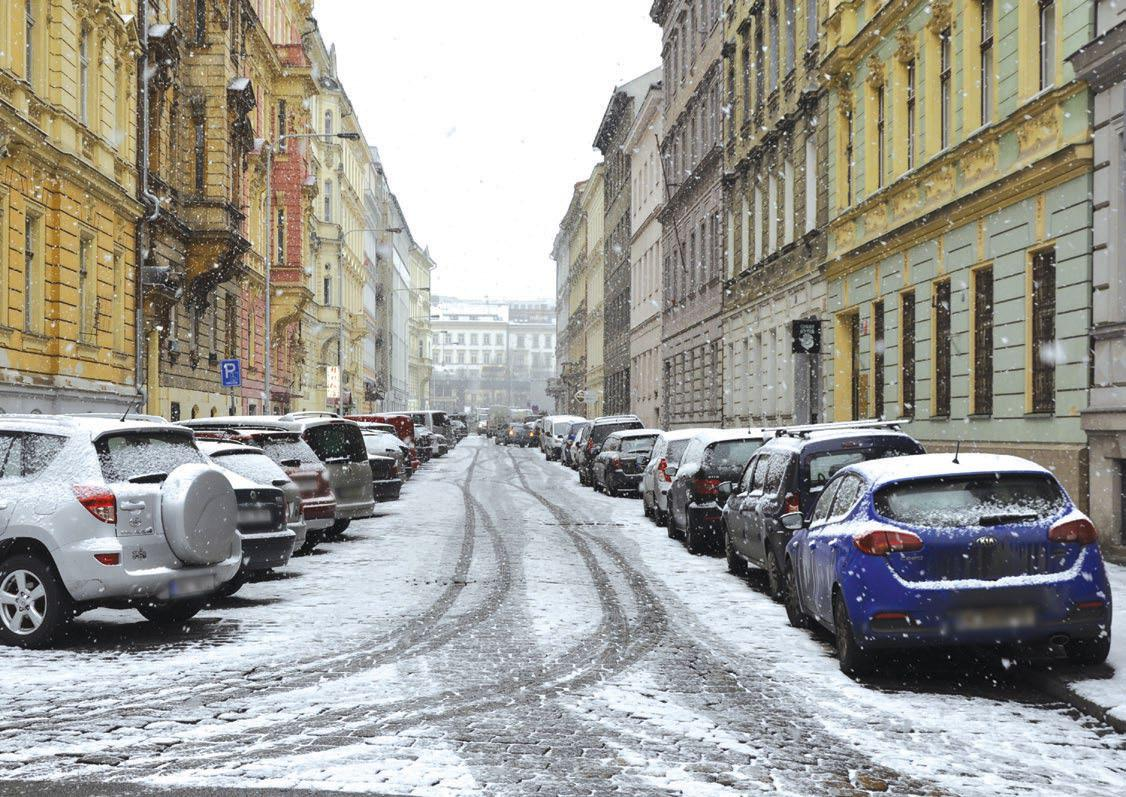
{"type": "Point", "coordinates": [938, 550]}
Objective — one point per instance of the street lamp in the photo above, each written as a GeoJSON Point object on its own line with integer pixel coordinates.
{"type": "Point", "coordinates": [270, 243]}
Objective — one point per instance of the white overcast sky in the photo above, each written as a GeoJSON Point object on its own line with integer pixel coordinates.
{"type": "Point", "coordinates": [484, 114]}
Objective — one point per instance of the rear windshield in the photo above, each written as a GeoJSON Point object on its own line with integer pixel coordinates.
{"type": "Point", "coordinates": [638, 445]}
{"type": "Point", "coordinates": [603, 430]}
{"type": "Point", "coordinates": [126, 457]}
{"type": "Point", "coordinates": [676, 450]}
{"type": "Point", "coordinates": [256, 467]}
{"type": "Point", "coordinates": [378, 443]}
{"type": "Point", "coordinates": [281, 450]}
{"type": "Point", "coordinates": [561, 428]}
{"type": "Point", "coordinates": [335, 441]}
{"type": "Point", "coordinates": [819, 467]}
{"type": "Point", "coordinates": [731, 455]}
{"type": "Point", "coordinates": [992, 500]}
{"type": "Point", "coordinates": [24, 454]}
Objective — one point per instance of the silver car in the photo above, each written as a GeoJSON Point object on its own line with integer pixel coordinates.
{"type": "Point", "coordinates": [656, 480]}
{"type": "Point", "coordinates": [338, 444]}
{"type": "Point", "coordinates": [99, 512]}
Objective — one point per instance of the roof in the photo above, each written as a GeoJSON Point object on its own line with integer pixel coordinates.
{"type": "Point", "coordinates": [683, 434]}
{"type": "Point", "coordinates": [923, 466]}
{"type": "Point", "coordinates": [798, 443]}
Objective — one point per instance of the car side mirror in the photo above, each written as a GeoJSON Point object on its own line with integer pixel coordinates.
{"type": "Point", "coordinates": [724, 491]}
{"type": "Point", "coordinates": [792, 521]}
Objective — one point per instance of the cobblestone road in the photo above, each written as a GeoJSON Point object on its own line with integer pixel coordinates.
{"type": "Point", "coordinates": [501, 630]}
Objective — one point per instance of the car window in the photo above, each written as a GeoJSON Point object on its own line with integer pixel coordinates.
{"type": "Point", "coordinates": [251, 465]}
{"type": "Point", "coordinates": [748, 476]}
{"type": "Point", "coordinates": [822, 465]}
{"type": "Point", "coordinates": [333, 441]}
{"type": "Point", "coordinates": [987, 500]}
{"type": "Point", "coordinates": [146, 454]}
{"type": "Point", "coordinates": [731, 454]}
{"type": "Point", "coordinates": [824, 503]}
{"type": "Point", "coordinates": [604, 430]}
{"type": "Point", "coordinates": [847, 495]}
{"type": "Point", "coordinates": [25, 454]}
{"type": "Point", "coordinates": [284, 449]}
{"type": "Point", "coordinates": [638, 445]}
{"type": "Point", "coordinates": [776, 469]}
{"type": "Point", "coordinates": [759, 476]}
{"type": "Point", "coordinates": [691, 452]}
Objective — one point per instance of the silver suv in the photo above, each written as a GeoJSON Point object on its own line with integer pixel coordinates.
{"type": "Point", "coordinates": [337, 442]}
{"type": "Point", "coordinates": [99, 512]}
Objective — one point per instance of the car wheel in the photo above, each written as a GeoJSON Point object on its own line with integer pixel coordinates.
{"type": "Point", "coordinates": [35, 608]}
{"type": "Point", "coordinates": [229, 588]}
{"type": "Point", "coordinates": [794, 612]}
{"type": "Point", "coordinates": [854, 660]}
{"type": "Point", "coordinates": [670, 524]}
{"type": "Point", "coordinates": [337, 529]}
{"type": "Point", "coordinates": [1089, 651]}
{"type": "Point", "coordinates": [736, 564]}
{"type": "Point", "coordinates": [776, 584]}
{"type": "Point", "coordinates": [171, 613]}
{"type": "Point", "coordinates": [692, 538]}
{"type": "Point", "coordinates": [648, 510]}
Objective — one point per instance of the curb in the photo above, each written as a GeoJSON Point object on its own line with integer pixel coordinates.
{"type": "Point", "coordinates": [1058, 689]}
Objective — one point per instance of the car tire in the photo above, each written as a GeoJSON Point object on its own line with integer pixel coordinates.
{"type": "Point", "coordinates": [854, 660]}
{"type": "Point", "coordinates": [21, 578]}
{"type": "Point", "coordinates": [1089, 652]}
{"type": "Point", "coordinates": [337, 529]}
{"type": "Point", "coordinates": [670, 524]}
{"type": "Point", "coordinates": [736, 564]}
{"type": "Point", "coordinates": [794, 612]}
{"type": "Point", "coordinates": [776, 583]}
{"type": "Point", "coordinates": [229, 588]}
{"type": "Point", "coordinates": [692, 540]}
{"type": "Point", "coordinates": [645, 508]}
{"type": "Point", "coordinates": [173, 613]}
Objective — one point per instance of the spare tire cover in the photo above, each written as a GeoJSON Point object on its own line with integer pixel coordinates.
{"type": "Point", "coordinates": [200, 513]}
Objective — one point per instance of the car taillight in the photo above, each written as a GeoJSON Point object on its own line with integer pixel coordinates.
{"type": "Point", "coordinates": [791, 504]}
{"type": "Point", "coordinates": [1080, 531]}
{"type": "Point", "coordinates": [881, 543]}
{"type": "Point", "coordinates": [99, 502]}
{"type": "Point", "coordinates": [705, 487]}
{"type": "Point", "coordinates": [616, 463]}
{"type": "Point", "coordinates": [661, 466]}
{"type": "Point", "coordinates": [108, 559]}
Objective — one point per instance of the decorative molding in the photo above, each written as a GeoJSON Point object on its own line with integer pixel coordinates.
{"type": "Point", "coordinates": [906, 46]}
{"type": "Point", "coordinates": [876, 72]}
{"type": "Point", "coordinates": [5, 142]}
{"type": "Point", "coordinates": [1038, 131]}
{"type": "Point", "coordinates": [980, 161]}
{"type": "Point", "coordinates": [941, 16]}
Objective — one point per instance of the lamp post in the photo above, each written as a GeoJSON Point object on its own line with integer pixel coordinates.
{"type": "Point", "coordinates": [266, 377]}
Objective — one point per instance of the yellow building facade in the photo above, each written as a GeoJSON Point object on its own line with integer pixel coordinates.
{"type": "Point", "coordinates": [594, 214]}
{"type": "Point", "coordinates": [67, 205]}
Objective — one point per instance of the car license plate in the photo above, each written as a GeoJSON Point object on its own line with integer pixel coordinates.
{"type": "Point", "coordinates": [256, 517]}
{"type": "Point", "coordinates": [995, 619]}
{"type": "Point", "coordinates": [193, 585]}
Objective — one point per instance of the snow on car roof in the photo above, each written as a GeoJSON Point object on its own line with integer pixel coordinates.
{"type": "Point", "coordinates": [217, 448]}
{"type": "Point", "coordinates": [628, 433]}
{"type": "Point", "coordinates": [922, 466]}
{"type": "Point", "coordinates": [684, 434]}
{"type": "Point", "coordinates": [709, 436]}
{"type": "Point", "coordinates": [93, 425]}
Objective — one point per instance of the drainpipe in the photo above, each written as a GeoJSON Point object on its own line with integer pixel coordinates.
{"type": "Point", "coordinates": [151, 203]}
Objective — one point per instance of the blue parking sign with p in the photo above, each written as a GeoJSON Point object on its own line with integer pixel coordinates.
{"type": "Point", "coordinates": [231, 373]}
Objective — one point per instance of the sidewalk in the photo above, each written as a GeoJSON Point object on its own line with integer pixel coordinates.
{"type": "Point", "coordinates": [1097, 691]}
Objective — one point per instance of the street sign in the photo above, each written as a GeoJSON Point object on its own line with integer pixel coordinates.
{"type": "Point", "coordinates": [333, 381]}
{"type": "Point", "coordinates": [806, 334]}
{"type": "Point", "coordinates": [230, 371]}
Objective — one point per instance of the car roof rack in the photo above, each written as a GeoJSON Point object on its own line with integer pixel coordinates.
{"type": "Point", "coordinates": [310, 414]}
{"type": "Point", "coordinates": [806, 430]}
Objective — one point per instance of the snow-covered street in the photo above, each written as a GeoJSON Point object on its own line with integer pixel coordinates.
{"type": "Point", "coordinates": [502, 630]}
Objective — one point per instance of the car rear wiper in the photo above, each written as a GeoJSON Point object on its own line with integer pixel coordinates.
{"type": "Point", "coordinates": [1002, 519]}
{"type": "Point", "coordinates": [148, 478]}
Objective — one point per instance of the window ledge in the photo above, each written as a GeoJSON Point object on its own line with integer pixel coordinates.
{"type": "Point", "coordinates": [1044, 416]}
{"type": "Point", "coordinates": [980, 416]}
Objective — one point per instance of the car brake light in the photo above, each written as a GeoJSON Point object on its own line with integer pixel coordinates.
{"type": "Point", "coordinates": [108, 558]}
{"type": "Point", "coordinates": [705, 487]}
{"type": "Point", "coordinates": [791, 504]}
{"type": "Point", "coordinates": [889, 616]}
{"type": "Point", "coordinates": [99, 502]}
{"type": "Point", "coordinates": [881, 543]}
{"type": "Point", "coordinates": [616, 463]}
{"type": "Point", "coordinates": [1090, 605]}
{"type": "Point", "coordinates": [1080, 531]}
{"type": "Point", "coordinates": [662, 466]}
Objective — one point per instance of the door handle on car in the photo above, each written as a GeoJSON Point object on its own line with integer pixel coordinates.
{"type": "Point", "coordinates": [131, 506]}
{"type": "Point", "coordinates": [812, 545]}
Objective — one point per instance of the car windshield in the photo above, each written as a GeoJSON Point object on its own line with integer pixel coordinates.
{"type": "Point", "coordinates": [286, 449]}
{"type": "Point", "coordinates": [638, 445]}
{"type": "Point", "coordinates": [986, 500]}
{"type": "Point", "coordinates": [138, 455]}
{"type": "Point", "coordinates": [731, 454]}
{"type": "Point", "coordinates": [676, 450]}
{"type": "Point", "coordinates": [603, 430]}
{"type": "Point", "coordinates": [336, 442]}
{"type": "Point", "coordinates": [560, 428]}
{"type": "Point", "coordinates": [821, 466]}
{"type": "Point", "coordinates": [251, 465]}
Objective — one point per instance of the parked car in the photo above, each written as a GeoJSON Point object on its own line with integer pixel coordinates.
{"type": "Point", "coordinates": [253, 464]}
{"type": "Point", "coordinates": [459, 430]}
{"type": "Point", "coordinates": [100, 512]}
{"type": "Point", "coordinates": [386, 483]}
{"type": "Point", "coordinates": [655, 479]}
{"type": "Point", "coordinates": [533, 434]}
{"type": "Point", "coordinates": [515, 434]}
{"type": "Point", "coordinates": [618, 467]}
{"type": "Point", "coordinates": [711, 458]}
{"type": "Point", "coordinates": [338, 444]}
{"type": "Point", "coordinates": [424, 443]}
{"type": "Point", "coordinates": [949, 550]}
{"type": "Point", "coordinates": [555, 430]}
{"type": "Point", "coordinates": [403, 426]}
{"type": "Point", "coordinates": [388, 445]}
{"type": "Point", "coordinates": [442, 444]}
{"type": "Point", "coordinates": [787, 475]}
{"type": "Point", "coordinates": [600, 429]}
{"type": "Point", "coordinates": [434, 420]}
{"type": "Point", "coordinates": [573, 442]}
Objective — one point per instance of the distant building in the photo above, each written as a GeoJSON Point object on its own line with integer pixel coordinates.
{"type": "Point", "coordinates": [492, 353]}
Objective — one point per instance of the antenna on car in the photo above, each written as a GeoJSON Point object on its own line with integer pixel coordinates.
{"type": "Point", "coordinates": [957, 450]}
{"type": "Point", "coordinates": [130, 407]}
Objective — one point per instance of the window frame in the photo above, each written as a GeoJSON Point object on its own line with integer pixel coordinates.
{"type": "Point", "coordinates": [981, 361]}
{"type": "Point", "coordinates": [1042, 329]}
{"type": "Point", "coordinates": [908, 341]}
{"type": "Point", "coordinates": [941, 326]}
{"type": "Point", "coordinates": [945, 87]}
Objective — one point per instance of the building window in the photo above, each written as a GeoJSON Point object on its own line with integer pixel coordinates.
{"type": "Point", "coordinates": [1044, 347]}
{"type": "Point", "coordinates": [944, 77]}
{"type": "Point", "coordinates": [746, 79]}
{"type": "Point", "coordinates": [772, 213]}
{"type": "Point", "coordinates": [760, 53]}
{"type": "Point", "coordinates": [200, 155]}
{"type": "Point", "coordinates": [881, 154]}
{"type": "Point", "coordinates": [29, 23]}
{"type": "Point", "coordinates": [1047, 43]}
{"type": "Point", "coordinates": [810, 23]}
{"type": "Point", "coordinates": [942, 349]}
{"type": "Point", "coordinates": [87, 291]}
{"type": "Point", "coordinates": [755, 220]}
{"type": "Point", "coordinates": [280, 260]}
{"type": "Point", "coordinates": [84, 76]}
{"type": "Point", "coordinates": [118, 304]}
{"type": "Point", "coordinates": [852, 328]}
{"type": "Point", "coordinates": [328, 201]}
{"type": "Point", "coordinates": [327, 291]}
{"type": "Point", "coordinates": [328, 123]}
{"type": "Point", "coordinates": [773, 54]}
{"type": "Point", "coordinates": [986, 64]}
{"type": "Point", "coordinates": [907, 353]}
{"type": "Point", "coordinates": [878, 350]}
{"type": "Point", "coordinates": [200, 20]}
{"type": "Point", "coordinates": [810, 181]}
{"type": "Point", "coordinates": [791, 33]}
{"type": "Point", "coordinates": [911, 114]}
{"type": "Point", "coordinates": [787, 201]}
{"type": "Point", "coordinates": [983, 341]}
{"type": "Point", "coordinates": [283, 124]}
{"type": "Point", "coordinates": [847, 114]}
{"type": "Point", "coordinates": [32, 281]}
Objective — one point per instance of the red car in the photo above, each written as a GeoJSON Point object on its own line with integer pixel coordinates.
{"type": "Point", "coordinates": [404, 428]}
